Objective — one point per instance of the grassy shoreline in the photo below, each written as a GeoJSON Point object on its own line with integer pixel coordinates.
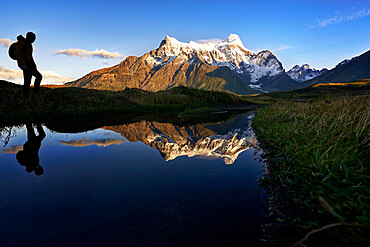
{"type": "Point", "coordinates": [318, 155]}
{"type": "Point", "coordinates": [65, 102]}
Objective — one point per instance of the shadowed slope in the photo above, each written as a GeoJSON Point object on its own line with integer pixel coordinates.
{"type": "Point", "coordinates": [357, 68]}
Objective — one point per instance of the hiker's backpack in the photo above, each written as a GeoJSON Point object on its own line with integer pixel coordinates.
{"type": "Point", "coordinates": [11, 51]}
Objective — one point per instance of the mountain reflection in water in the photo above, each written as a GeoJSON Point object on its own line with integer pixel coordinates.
{"type": "Point", "coordinates": [107, 182]}
{"type": "Point", "coordinates": [225, 140]}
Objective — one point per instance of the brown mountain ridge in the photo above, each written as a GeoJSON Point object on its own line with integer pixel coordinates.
{"type": "Point", "coordinates": [136, 72]}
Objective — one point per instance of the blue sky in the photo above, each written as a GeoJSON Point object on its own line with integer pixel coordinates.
{"type": "Point", "coordinates": [320, 33]}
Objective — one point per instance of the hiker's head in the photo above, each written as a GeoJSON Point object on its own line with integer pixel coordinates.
{"type": "Point", "coordinates": [38, 170]}
{"type": "Point", "coordinates": [31, 37]}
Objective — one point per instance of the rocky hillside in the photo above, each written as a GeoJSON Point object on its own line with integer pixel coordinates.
{"type": "Point", "coordinates": [227, 65]}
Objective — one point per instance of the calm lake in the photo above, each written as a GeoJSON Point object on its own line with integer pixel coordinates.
{"type": "Point", "coordinates": [132, 181]}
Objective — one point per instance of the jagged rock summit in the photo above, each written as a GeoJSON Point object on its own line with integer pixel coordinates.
{"type": "Point", "coordinates": [225, 65]}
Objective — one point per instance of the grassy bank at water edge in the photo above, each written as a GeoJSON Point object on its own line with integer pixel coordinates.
{"type": "Point", "coordinates": [319, 154]}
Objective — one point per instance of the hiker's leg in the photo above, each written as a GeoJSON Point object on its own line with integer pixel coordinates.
{"type": "Point", "coordinates": [41, 131]}
{"type": "Point", "coordinates": [27, 80]}
{"type": "Point", "coordinates": [30, 132]}
{"type": "Point", "coordinates": [38, 79]}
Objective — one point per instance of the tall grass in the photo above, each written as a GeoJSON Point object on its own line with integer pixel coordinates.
{"type": "Point", "coordinates": [321, 149]}
{"type": "Point", "coordinates": [64, 102]}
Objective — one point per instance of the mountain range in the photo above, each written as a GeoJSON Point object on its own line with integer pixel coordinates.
{"type": "Point", "coordinates": [348, 70]}
{"type": "Point", "coordinates": [223, 66]}
{"type": "Point", "coordinates": [226, 65]}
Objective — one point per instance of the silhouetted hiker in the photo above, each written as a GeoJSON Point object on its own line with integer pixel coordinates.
{"type": "Point", "coordinates": [29, 156]}
{"type": "Point", "coordinates": [23, 54]}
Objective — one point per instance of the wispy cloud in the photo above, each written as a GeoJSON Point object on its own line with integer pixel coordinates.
{"type": "Point", "coordinates": [282, 47]}
{"type": "Point", "coordinates": [6, 42]}
{"type": "Point", "coordinates": [13, 149]}
{"type": "Point", "coordinates": [103, 142]}
{"type": "Point", "coordinates": [10, 74]}
{"type": "Point", "coordinates": [84, 53]}
{"type": "Point", "coordinates": [53, 76]}
{"type": "Point", "coordinates": [49, 77]}
{"type": "Point", "coordinates": [212, 41]}
{"type": "Point", "coordinates": [340, 18]}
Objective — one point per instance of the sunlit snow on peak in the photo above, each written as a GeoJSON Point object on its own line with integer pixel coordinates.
{"type": "Point", "coordinates": [234, 39]}
{"type": "Point", "coordinates": [230, 53]}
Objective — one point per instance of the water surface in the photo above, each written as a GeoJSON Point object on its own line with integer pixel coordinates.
{"type": "Point", "coordinates": [138, 183]}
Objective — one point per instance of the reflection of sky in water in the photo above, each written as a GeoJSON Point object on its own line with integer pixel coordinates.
{"type": "Point", "coordinates": [100, 189]}
{"type": "Point", "coordinates": [98, 137]}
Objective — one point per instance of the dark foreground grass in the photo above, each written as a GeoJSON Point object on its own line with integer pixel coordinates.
{"type": "Point", "coordinates": [66, 102]}
{"type": "Point", "coordinates": [319, 153]}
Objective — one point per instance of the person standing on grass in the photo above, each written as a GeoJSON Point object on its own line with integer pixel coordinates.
{"type": "Point", "coordinates": [23, 54]}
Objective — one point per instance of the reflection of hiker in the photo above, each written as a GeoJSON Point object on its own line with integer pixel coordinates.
{"type": "Point", "coordinates": [22, 52]}
{"type": "Point", "coordinates": [29, 156]}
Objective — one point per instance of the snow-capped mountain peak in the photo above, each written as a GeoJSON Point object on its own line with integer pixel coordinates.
{"type": "Point", "coordinates": [343, 62]}
{"type": "Point", "coordinates": [234, 39]}
{"type": "Point", "coordinates": [304, 73]}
